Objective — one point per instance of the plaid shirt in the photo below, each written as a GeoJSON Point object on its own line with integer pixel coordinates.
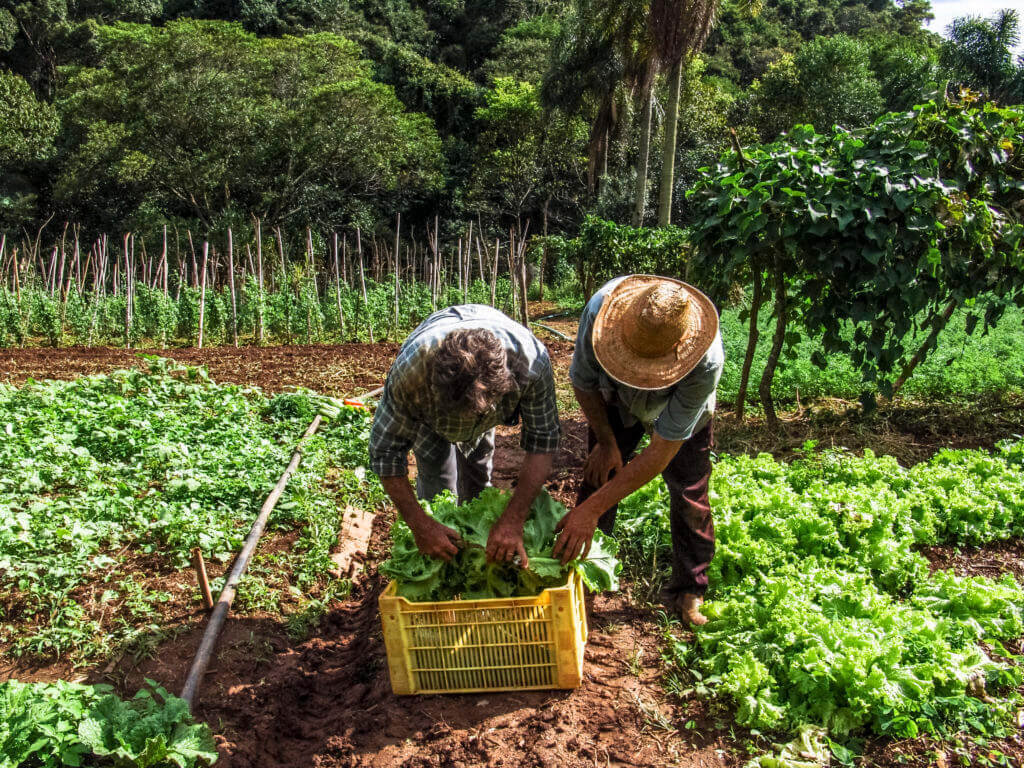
{"type": "Point", "coordinates": [411, 416]}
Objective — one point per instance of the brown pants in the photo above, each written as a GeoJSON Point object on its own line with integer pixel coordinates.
{"type": "Point", "coordinates": [687, 477]}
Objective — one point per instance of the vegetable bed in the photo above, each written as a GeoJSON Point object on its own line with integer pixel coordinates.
{"type": "Point", "coordinates": [823, 611]}
{"type": "Point", "coordinates": [110, 481]}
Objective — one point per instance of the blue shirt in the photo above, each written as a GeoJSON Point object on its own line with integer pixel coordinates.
{"type": "Point", "coordinates": [675, 413]}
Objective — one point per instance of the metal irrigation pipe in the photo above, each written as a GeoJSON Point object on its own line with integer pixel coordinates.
{"type": "Point", "coordinates": [552, 331]}
{"type": "Point", "coordinates": [227, 594]}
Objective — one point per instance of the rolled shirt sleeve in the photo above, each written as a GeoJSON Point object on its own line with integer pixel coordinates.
{"type": "Point", "coordinates": [391, 437]}
{"type": "Point", "coordinates": [691, 404]}
{"type": "Point", "coordinates": [539, 412]}
{"type": "Point", "coordinates": [584, 371]}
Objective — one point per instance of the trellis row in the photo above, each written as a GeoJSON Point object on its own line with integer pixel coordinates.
{"type": "Point", "coordinates": [96, 270]}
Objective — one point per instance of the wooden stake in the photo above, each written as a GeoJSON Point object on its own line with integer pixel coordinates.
{"type": "Point", "coordinates": [231, 284]}
{"type": "Point", "coordinates": [202, 293]}
{"type": "Point", "coordinates": [362, 283]}
{"type": "Point", "coordinates": [398, 227]}
{"type": "Point", "coordinates": [337, 289]}
{"type": "Point", "coordinates": [201, 578]}
{"type": "Point", "coordinates": [259, 267]}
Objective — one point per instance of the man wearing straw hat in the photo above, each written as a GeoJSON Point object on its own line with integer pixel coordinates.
{"type": "Point", "coordinates": [463, 371]}
{"type": "Point", "coordinates": [648, 359]}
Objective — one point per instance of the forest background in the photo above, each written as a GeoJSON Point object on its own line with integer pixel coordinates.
{"type": "Point", "coordinates": [336, 114]}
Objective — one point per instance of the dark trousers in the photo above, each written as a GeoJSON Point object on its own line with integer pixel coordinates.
{"type": "Point", "coordinates": [687, 477]}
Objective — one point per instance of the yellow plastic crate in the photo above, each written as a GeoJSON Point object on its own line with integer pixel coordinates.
{"type": "Point", "coordinates": [501, 644]}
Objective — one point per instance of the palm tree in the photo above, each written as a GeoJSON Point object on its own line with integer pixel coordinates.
{"type": "Point", "coordinates": [678, 29]}
{"type": "Point", "coordinates": [979, 55]}
{"type": "Point", "coordinates": [601, 57]}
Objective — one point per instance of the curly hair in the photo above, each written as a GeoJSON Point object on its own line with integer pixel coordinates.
{"type": "Point", "coordinates": [470, 370]}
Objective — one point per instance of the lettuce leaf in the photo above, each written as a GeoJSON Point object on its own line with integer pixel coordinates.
{"type": "Point", "coordinates": [470, 576]}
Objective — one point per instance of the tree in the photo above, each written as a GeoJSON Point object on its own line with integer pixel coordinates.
{"type": "Point", "coordinates": [888, 228]}
{"type": "Point", "coordinates": [979, 55]}
{"type": "Point", "coordinates": [27, 126]}
{"type": "Point", "coordinates": [827, 82]}
{"type": "Point", "coordinates": [27, 131]}
{"type": "Point", "coordinates": [593, 58]}
{"type": "Point", "coordinates": [34, 28]}
{"type": "Point", "coordinates": [203, 118]}
{"type": "Point", "coordinates": [527, 158]}
{"type": "Point", "coordinates": [678, 29]}
{"type": "Point", "coordinates": [907, 70]}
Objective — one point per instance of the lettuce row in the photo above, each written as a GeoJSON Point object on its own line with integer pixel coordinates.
{"type": "Point", "coordinates": [822, 610]}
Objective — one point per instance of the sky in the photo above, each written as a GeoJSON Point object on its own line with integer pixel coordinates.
{"type": "Point", "coordinates": [947, 10]}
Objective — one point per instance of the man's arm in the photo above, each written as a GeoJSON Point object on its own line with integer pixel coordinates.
{"type": "Point", "coordinates": [505, 540]}
{"type": "Point", "coordinates": [577, 528]}
{"type": "Point", "coordinates": [605, 457]}
{"type": "Point", "coordinates": [541, 431]}
{"type": "Point", "coordinates": [391, 439]}
{"type": "Point", "coordinates": [432, 538]}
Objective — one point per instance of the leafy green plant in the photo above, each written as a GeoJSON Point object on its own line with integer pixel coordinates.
{"type": "Point", "coordinates": [890, 228]}
{"type": "Point", "coordinates": [470, 576]}
{"type": "Point", "coordinates": [65, 724]}
{"type": "Point", "coordinates": [153, 463]}
{"type": "Point", "coordinates": [822, 611]}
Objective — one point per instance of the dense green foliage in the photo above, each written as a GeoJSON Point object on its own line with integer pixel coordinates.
{"type": "Point", "coordinates": [962, 368]}
{"type": "Point", "coordinates": [154, 463]}
{"type": "Point", "coordinates": [822, 610]}
{"type": "Point", "coordinates": [469, 576]}
{"type": "Point", "coordinates": [333, 113]}
{"type": "Point", "coordinates": [889, 227]}
{"type": "Point", "coordinates": [323, 123]}
{"type": "Point", "coordinates": [63, 724]}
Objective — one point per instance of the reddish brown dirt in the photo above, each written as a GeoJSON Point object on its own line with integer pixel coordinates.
{"type": "Point", "coordinates": [326, 701]}
{"type": "Point", "coordinates": [346, 369]}
{"type": "Point", "coordinates": [909, 431]}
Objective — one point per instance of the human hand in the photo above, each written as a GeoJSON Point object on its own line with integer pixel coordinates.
{"type": "Point", "coordinates": [505, 543]}
{"type": "Point", "coordinates": [436, 540]}
{"type": "Point", "coordinates": [576, 533]}
{"type": "Point", "coordinates": [604, 459]}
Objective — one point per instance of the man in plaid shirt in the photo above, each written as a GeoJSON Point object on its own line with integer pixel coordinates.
{"type": "Point", "coordinates": [462, 372]}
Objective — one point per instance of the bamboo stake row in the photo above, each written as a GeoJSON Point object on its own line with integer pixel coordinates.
{"type": "Point", "coordinates": [97, 270]}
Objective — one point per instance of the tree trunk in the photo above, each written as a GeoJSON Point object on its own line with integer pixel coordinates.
{"type": "Point", "coordinates": [668, 150]}
{"type": "Point", "coordinates": [922, 351]}
{"type": "Point", "coordinates": [765, 389]}
{"type": "Point", "coordinates": [642, 161]}
{"type": "Point", "coordinates": [752, 336]}
{"type": "Point", "coordinates": [202, 294]}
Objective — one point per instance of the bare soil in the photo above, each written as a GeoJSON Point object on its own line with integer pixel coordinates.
{"type": "Point", "coordinates": [326, 700]}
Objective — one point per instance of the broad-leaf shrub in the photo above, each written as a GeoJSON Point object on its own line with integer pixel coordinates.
{"type": "Point", "coordinates": [65, 724]}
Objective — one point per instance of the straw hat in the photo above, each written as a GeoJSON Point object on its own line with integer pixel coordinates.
{"type": "Point", "coordinates": [651, 331]}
